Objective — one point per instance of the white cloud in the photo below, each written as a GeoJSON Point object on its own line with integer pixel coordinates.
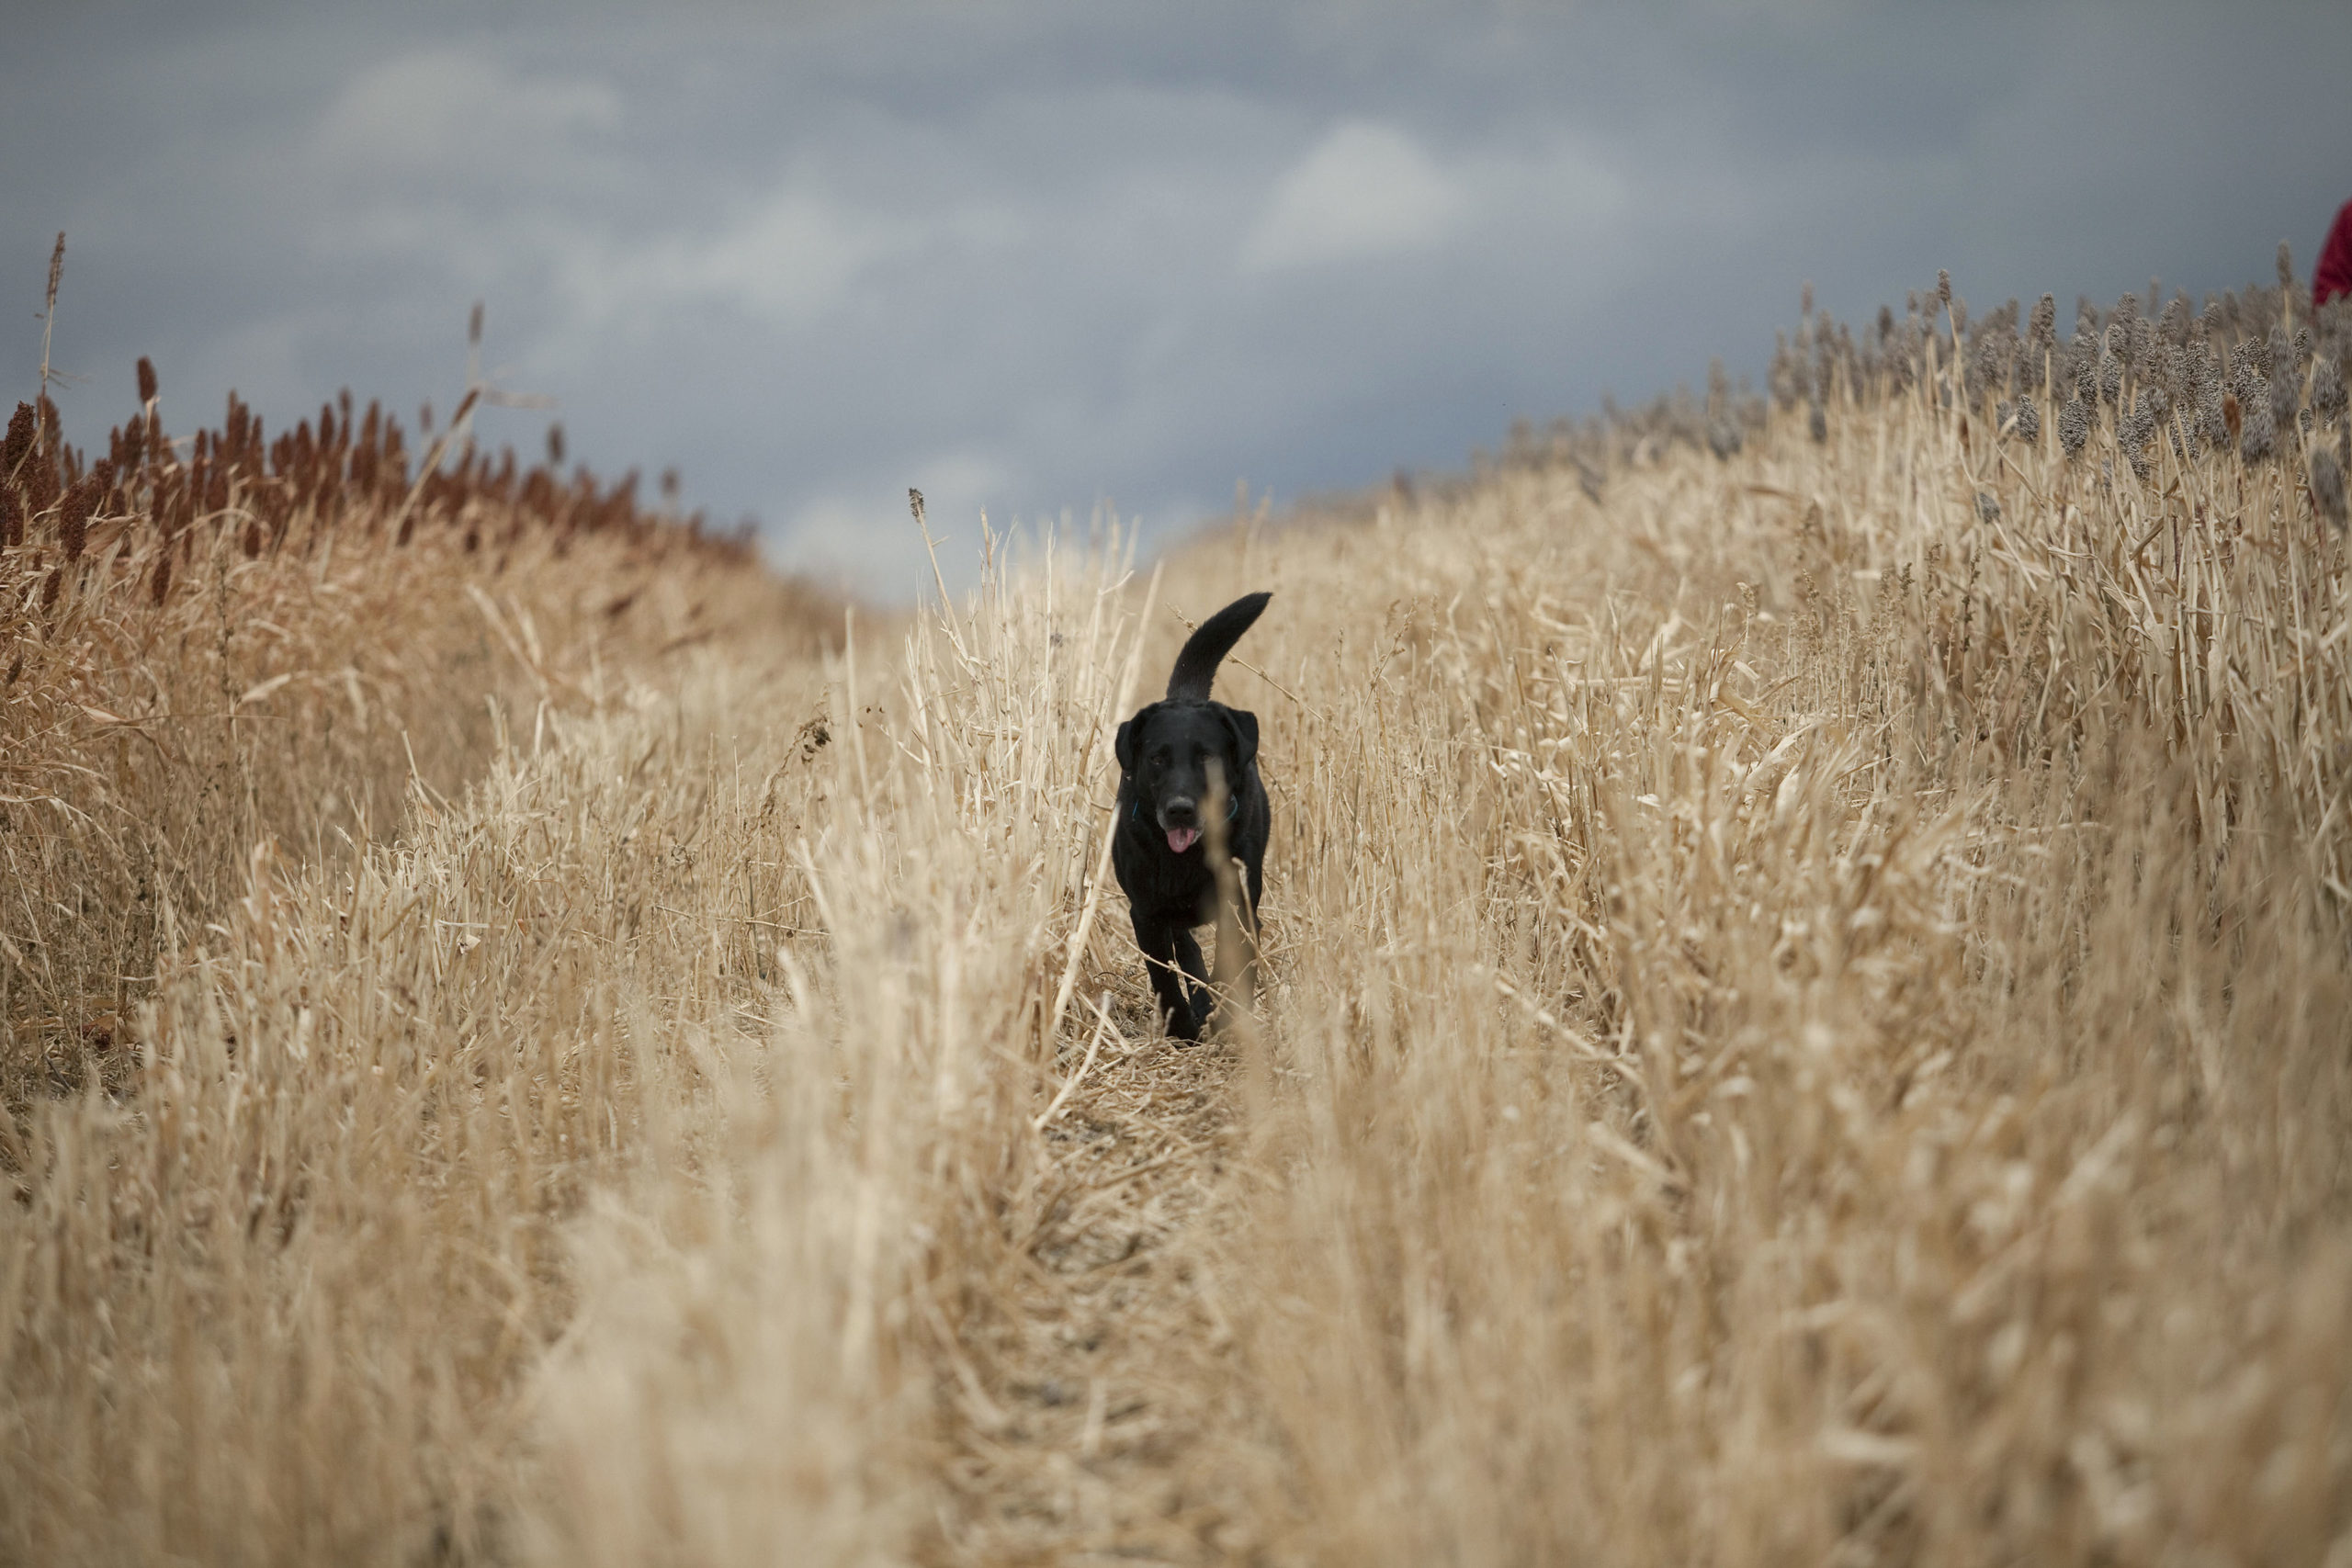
{"type": "Point", "coordinates": [1365, 190]}
{"type": "Point", "coordinates": [785, 259]}
{"type": "Point", "coordinates": [436, 111]}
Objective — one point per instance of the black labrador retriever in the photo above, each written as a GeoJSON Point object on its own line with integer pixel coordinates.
{"type": "Point", "coordinates": [1159, 853]}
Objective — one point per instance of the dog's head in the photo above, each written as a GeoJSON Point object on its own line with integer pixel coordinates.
{"type": "Point", "coordinates": [1166, 751]}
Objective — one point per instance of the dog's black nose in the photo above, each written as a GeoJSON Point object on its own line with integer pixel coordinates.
{"type": "Point", "coordinates": [1179, 813]}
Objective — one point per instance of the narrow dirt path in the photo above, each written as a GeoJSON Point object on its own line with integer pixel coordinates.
{"type": "Point", "coordinates": [1114, 1424]}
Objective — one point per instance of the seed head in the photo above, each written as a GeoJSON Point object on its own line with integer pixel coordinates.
{"type": "Point", "coordinates": [2133, 434]}
{"type": "Point", "coordinates": [2073, 427]}
{"type": "Point", "coordinates": [2082, 365]}
{"type": "Point", "coordinates": [2028, 421]}
{"type": "Point", "coordinates": [2260, 435]}
{"type": "Point", "coordinates": [2173, 325]}
{"type": "Point", "coordinates": [147, 385]}
{"type": "Point", "coordinates": [2042, 330]}
{"type": "Point", "coordinates": [74, 513]}
{"type": "Point", "coordinates": [1943, 287]}
{"type": "Point", "coordinates": [2179, 379]}
{"type": "Point", "coordinates": [1816, 421]}
{"type": "Point", "coordinates": [2199, 370]}
{"type": "Point", "coordinates": [2286, 267]}
{"type": "Point", "coordinates": [163, 583]}
{"type": "Point", "coordinates": [2327, 487]}
{"type": "Point", "coordinates": [19, 440]}
{"type": "Point", "coordinates": [2286, 398]}
{"type": "Point", "coordinates": [1992, 358]}
{"type": "Point", "coordinates": [1988, 509]}
{"type": "Point", "coordinates": [2327, 388]}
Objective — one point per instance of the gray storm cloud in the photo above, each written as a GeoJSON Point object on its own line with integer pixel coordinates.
{"type": "Point", "coordinates": [1042, 258]}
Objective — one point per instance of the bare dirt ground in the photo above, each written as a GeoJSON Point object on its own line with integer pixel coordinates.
{"type": "Point", "coordinates": [1105, 1388]}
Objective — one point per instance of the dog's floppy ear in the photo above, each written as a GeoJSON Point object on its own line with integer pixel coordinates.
{"type": "Point", "coordinates": [1130, 733]}
{"type": "Point", "coordinates": [1244, 727]}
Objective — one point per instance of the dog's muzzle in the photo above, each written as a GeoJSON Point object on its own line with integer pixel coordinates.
{"type": "Point", "coordinates": [1180, 820]}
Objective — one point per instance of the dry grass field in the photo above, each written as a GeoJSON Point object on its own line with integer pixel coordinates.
{"type": "Point", "coordinates": [1808, 1014]}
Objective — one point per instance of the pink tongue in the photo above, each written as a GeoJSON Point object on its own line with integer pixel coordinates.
{"type": "Point", "coordinates": [1182, 839]}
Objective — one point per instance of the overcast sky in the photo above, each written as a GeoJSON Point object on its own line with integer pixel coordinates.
{"type": "Point", "coordinates": [1040, 257]}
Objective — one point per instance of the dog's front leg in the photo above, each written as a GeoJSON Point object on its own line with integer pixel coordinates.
{"type": "Point", "coordinates": [1170, 956]}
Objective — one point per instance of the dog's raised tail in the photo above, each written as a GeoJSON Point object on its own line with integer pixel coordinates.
{"type": "Point", "coordinates": [1195, 669]}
